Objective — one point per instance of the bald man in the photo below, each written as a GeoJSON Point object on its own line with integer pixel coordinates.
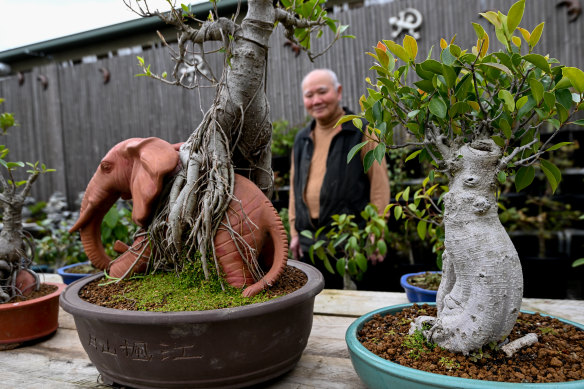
{"type": "Point", "coordinates": [322, 184]}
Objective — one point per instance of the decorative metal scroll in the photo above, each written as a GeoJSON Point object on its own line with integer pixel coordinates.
{"type": "Point", "coordinates": [407, 22]}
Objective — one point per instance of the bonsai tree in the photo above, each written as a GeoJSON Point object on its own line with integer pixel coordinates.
{"type": "Point", "coordinates": [235, 132]}
{"type": "Point", "coordinates": [477, 117]}
{"type": "Point", "coordinates": [16, 247]}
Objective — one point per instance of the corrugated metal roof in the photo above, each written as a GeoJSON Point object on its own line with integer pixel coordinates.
{"type": "Point", "coordinates": [105, 34]}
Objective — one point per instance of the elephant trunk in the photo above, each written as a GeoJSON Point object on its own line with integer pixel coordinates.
{"type": "Point", "coordinates": [96, 203]}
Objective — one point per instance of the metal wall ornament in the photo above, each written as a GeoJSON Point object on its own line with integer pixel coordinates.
{"type": "Point", "coordinates": [407, 22]}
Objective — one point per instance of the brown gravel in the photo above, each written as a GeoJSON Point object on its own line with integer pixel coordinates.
{"type": "Point", "coordinates": [43, 291]}
{"type": "Point", "coordinates": [290, 280]}
{"type": "Point", "coordinates": [557, 357]}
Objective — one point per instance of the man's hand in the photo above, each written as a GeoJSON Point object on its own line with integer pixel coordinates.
{"type": "Point", "coordinates": [295, 248]}
{"type": "Point", "coordinates": [375, 257]}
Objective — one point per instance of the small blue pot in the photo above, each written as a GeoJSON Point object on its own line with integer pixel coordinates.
{"type": "Point", "coordinates": [415, 294]}
{"type": "Point", "coordinates": [377, 372]}
{"type": "Point", "coordinates": [70, 277]}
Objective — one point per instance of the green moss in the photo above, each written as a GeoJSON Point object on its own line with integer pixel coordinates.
{"type": "Point", "coordinates": [187, 291]}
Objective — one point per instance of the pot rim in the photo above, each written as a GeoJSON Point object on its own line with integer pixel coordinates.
{"type": "Point", "coordinates": [22, 304]}
{"type": "Point", "coordinates": [63, 270]}
{"type": "Point", "coordinates": [73, 304]}
{"type": "Point", "coordinates": [405, 284]}
{"type": "Point", "coordinates": [423, 377]}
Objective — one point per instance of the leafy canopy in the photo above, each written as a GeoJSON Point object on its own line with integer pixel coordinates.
{"type": "Point", "coordinates": [509, 96]}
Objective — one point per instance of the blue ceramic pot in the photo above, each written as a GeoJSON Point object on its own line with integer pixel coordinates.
{"type": "Point", "coordinates": [377, 372]}
{"type": "Point", "coordinates": [415, 294]}
{"type": "Point", "coordinates": [70, 277]}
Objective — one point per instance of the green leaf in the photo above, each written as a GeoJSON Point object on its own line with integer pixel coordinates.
{"type": "Point", "coordinates": [355, 150]}
{"type": "Point", "coordinates": [553, 174]}
{"type": "Point", "coordinates": [535, 35]}
{"type": "Point", "coordinates": [368, 160]}
{"type": "Point", "coordinates": [536, 90]}
{"type": "Point", "coordinates": [14, 165]}
{"type": "Point", "coordinates": [578, 262]}
{"type": "Point", "coordinates": [185, 8]}
{"type": "Point", "coordinates": [347, 118]}
{"type": "Point", "coordinates": [422, 228]}
{"type": "Point", "coordinates": [497, 66]}
{"type": "Point", "coordinates": [521, 102]}
{"type": "Point", "coordinates": [459, 108]}
{"type": "Point", "coordinates": [413, 155]}
{"type": "Point", "coordinates": [479, 30]}
{"type": "Point", "coordinates": [549, 99]}
{"type": "Point", "coordinates": [498, 140]}
{"type": "Point", "coordinates": [306, 234]}
{"type": "Point", "coordinates": [579, 122]}
{"type": "Point", "coordinates": [564, 97]}
{"type": "Point", "coordinates": [502, 177]}
{"type": "Point", "coordinates": [576, 77]}
{"type": "Point", "coordinates": [397, 50]}
{"type": "Point", "coordinates": [397, 212]}
{"type": "Point", "coordinates": [524, 177]}
{"type": "Point", "coordinates": [361, 261]}
{"type": "Point", "coordinates": [425, 85]}
{"type": "Point", "coordinates": [411, 46]}
{"type": "Point", "coordinates": [561, 144]}
{"type": "Point", "coordinates": [539, 61]}
{"type": "Point", "coordinates": [437, 107]}
{"type": "Point", "coordinates": [505, 128]}
{"type": "Point", "coordinates": [515, 15]}
{"type": "Point", "coordinates": [382, 247]}
{"type": "Point", "coordinates": [507, 98]}
{"type": "Point", "coordinates": [379, 152]}
{"type": "Point", "coordinates": [111, 218]}
{"type": "Point", "coordinates": [432, 66]}
{"type": "Point", "coordinates": [449, 76]}
{"type": "Point", "coordinates": [340, 265]}
{"type": "Point", "coordinates": [328, 266]}
{"type": "Point", "coordinates": [446, 57]}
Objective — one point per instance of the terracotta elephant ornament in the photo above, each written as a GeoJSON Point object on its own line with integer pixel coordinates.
{"type": "Point", "coordinates": [135, 169]}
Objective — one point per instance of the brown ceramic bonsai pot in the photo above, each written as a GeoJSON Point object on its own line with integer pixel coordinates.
{"type": "Point", "coordinates": [29, 320]}
{"type": "Point", "coordinates": [231, 347]}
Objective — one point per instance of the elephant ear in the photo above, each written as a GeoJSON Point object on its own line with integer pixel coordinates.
{"type": "Point", "coordinates": [154, 159]}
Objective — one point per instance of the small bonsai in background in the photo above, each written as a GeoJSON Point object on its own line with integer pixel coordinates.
{"type": "Point", "coordinates": [349, 246]}
{"type": "Point", "coordinates": [16, 245]}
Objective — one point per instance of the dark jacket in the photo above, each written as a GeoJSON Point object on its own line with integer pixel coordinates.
{"type": "Point", "coordinates": [345, 188]}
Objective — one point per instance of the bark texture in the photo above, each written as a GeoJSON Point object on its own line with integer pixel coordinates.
{"type": "Point", "coordinates": [480, 294]}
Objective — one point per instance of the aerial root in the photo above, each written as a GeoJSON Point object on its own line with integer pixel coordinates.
{"type": "Point", "coordinates": [512, 347]}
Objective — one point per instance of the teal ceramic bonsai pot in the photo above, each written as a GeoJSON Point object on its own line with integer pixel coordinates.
{"type": "Point", "coordinates": [414, 293]}
{"type": "Point", "coordinates": [378, 373]}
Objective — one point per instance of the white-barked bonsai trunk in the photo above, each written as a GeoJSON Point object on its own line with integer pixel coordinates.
{"type": "Point", "coordinates": [482, 284]}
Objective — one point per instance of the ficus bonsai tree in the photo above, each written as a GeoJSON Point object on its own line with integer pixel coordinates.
{"type": "Point", "coordinates": [477, 116]}
{"type": "Point", "coordinates": [235, 133]}
{"type": "Point", "coordinates": [16, 247]}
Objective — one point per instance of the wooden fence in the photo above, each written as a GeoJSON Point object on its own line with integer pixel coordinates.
{"type": "Point", "coordinates": [70, 124]}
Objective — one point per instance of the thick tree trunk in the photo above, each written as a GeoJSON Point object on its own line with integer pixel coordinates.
{"type": "Point", "coordinates": [482, 286]}
{"type": "Point", "coordinates": [244, 110]}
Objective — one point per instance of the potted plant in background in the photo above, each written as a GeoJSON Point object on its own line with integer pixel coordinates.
{"type": "Point", "coordinates": [422, 210]}
{"type": "Point", "coordinates": [28, 308]}
{"type": "Point", "coordinates": [348, 245]}
{"type": "Point", "coordinates": [186, 197]}
{"type": "Point", "coordinates": [476, 116]}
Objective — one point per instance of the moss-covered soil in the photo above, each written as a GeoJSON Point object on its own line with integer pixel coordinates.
{"type": "Point", "coordinates": [168, 292]}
